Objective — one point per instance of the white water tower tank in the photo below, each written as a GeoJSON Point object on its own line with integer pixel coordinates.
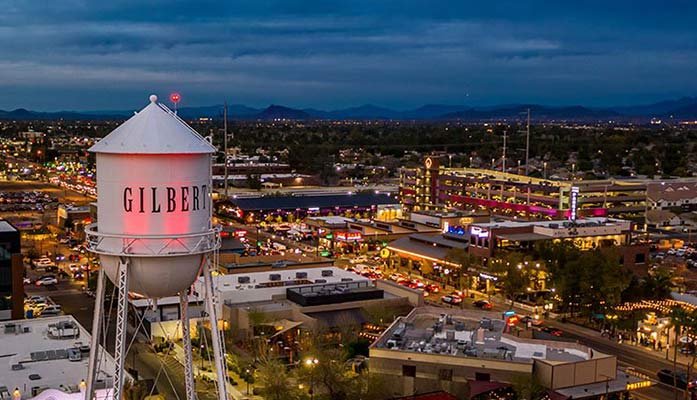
{"type": "Point", "coordinates": [154, 204]}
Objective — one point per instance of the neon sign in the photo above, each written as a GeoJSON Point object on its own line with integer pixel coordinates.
{"type": "Point", "coordinates": [349, 236]}
{"type": "Point", "coordinates": [456, 230]}
{"type": "Point", "coordinates": [574, 203]}
{"type": "Point", "coordinates": [479, 232]}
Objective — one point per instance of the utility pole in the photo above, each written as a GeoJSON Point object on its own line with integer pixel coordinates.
{"type": "Point", "coordinates": [225, 147]}
{"type": "Point", "coordinates": [527, 145]}
{"type": "Point", "coordinates": [503, 165]}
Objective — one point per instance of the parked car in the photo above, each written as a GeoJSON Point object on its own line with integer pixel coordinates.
{"type": "Point", "coordinates": [451, 299]}
{"type": "Point", "coordinates": [552, 331]}
{"type": "Point", "coordinates": [679, 379]}
{"type": "Point", "coordinates": [483, 304]}
{"type": "Point", "coordinates": [46, 281]}
{"type": "Point", "coordinates": [26, 281]}
{"type": "Point", "coordinates": [53, 309]}
{"type": "Point", "coordinates": [432, 288]}
{"type": "Point", "coordinates": [34, 298]}
{"type": "Point", "coordinates": [533, 321]}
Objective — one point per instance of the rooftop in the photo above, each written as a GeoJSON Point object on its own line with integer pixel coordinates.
{"type": "Point", "coordinates": [308, 202]}
{"type": "Point", "coordinates": [36, 357]}
{"type": "Point", "coordinates": [435, 247]}
{"type": "Point", "coordinates": [473, 334]}
{"type": "Point", "coordinates": [6, 227]}
{"type": "Point", "coordinates": [263, 286]}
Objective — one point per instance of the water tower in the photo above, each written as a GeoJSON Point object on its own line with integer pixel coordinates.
{"type": "Point", "coordinates": [153, 233]}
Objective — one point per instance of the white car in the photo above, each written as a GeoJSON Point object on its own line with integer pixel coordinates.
{"type": "Point", "coordinates": [35, 299]}
{"type": "Point", "coordinates": [46, 281]}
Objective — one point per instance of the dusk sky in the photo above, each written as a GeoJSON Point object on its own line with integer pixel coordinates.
{"type": "Point", "coordinates": [88, 55]}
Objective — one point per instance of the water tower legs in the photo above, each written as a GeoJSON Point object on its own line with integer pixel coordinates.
{"type": "Point", "coordinates": [186, 339]}
{"type": "Point", "coordinates": [220, 365]}
{"type": "Point", "coordinates": [94, 340]}
{"type": "Point", "coordinates": [121, 322]}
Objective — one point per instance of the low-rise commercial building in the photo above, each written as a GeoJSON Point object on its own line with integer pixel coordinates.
{"type": "Point", "coordinates": [469, 353]}
{"type": "Point", "coordinates": [487, 239]}
{"type": "Point", "coordinates": [11, 273]}
{"type": "Point", "coordinates": [46, 358]}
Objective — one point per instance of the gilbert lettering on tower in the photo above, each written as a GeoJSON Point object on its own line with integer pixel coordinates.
{"type": "Point", "coordinates": [168, 199]}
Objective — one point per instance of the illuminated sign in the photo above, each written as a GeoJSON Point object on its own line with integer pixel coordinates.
{"type": "Point", "coordinates": [429, 162]}
{"type": "Point", "coordinates": [574, 203]}
{"type": "Point", "coordinates": [385, 253]}
{"type": "Point", "coordinates": [479, 232]}
{"type": "Point", "coordinates": [487, 276]}
{"type": "Point", "coordinates": [349, 236]}
{"type": "Point", "coordinates": [169, 199]}
{"type": "Point", "coordinates": [456, 230]}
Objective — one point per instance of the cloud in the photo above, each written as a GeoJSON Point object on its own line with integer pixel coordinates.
{"type": "Point", "coordinates": [83, 54]}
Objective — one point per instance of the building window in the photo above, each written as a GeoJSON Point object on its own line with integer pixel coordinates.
{"type": "Point", "coordinates": [409, 370]}
{"type": "Point", "coordinates": [445, 375]}
{"type": "Point", "coordinates": [482, 376]}
{"type": "Point", "coordinates": [640, 258]}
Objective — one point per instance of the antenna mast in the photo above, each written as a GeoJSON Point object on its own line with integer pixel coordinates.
{"type": "Point", "coordinates": [503, 163]}
{"type": "Point", "coordinates": [527, 145]}
{"type": "Point", "coordinates": [225, 147]}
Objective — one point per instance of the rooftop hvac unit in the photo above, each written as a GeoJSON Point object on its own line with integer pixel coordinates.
{"type": "Point", "coordinates": [243, 279]}
{"type": "Point", "coordinates": [347, 279]}
{"type": "Point", "coordinates": [301, 275]}
{"type": "Point", "coordinates": [274, 277]}
{"type": "Point", "coordinates": [320, 281]}
{"type": "Point", "coordinates": [327, 272]}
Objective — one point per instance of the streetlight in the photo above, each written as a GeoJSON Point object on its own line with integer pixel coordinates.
{"type": "Point", "coordinates": [544, 169]}
{"type": "Point", "coordinates": [247, 380]}
{"type": "Point", "coordinates": [471, 162]}
{"type": "Point", "coordinates": [202, 347]}
{"type": "Point", "coordinates": [16, 395]}
{"type": "Point", "coordinates": [450, 160]}
{"type": "Point", "coordinates": [311, 363]}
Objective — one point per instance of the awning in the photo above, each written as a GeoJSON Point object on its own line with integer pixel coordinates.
{"type": "Point", "coordinates": [479, 387]}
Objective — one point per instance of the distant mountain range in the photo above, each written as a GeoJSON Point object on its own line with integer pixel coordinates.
{"type": "Point", "coordinates": [681, 109]}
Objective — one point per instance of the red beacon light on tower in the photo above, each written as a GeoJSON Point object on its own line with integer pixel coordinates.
{"type": "Point", "coordinates": [175, 98]}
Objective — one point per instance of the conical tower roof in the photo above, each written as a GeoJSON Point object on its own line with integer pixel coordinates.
{"type": "Point", "coordinates": [153, 130]}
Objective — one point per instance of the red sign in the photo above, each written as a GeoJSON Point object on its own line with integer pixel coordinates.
{"type": "Point", "coordinates": [349, 236]}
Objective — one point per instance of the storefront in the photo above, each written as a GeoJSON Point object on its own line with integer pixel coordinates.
{"type": "Point", "coordinates": [654, 332]}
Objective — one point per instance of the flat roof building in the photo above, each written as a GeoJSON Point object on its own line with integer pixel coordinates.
{"type": "Point", "coordinates": [467, 353]}
{"type": "Point", "coordinates": [46, 358]}
{"type": "Point", "coordinates": [11, 273]}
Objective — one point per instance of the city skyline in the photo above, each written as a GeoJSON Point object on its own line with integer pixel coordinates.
{"type": "Point", "coordinates": [313, 54]}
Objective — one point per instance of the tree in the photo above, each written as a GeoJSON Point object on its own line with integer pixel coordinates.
{"type": "Point", "coordinates": [465, 261]}
{"type": "Point", "coordinates": [254, 181]}
{"type": "Point", "coordinates": [511, 266]}
{"type": "Point", "coordinates": [275, 381]}
{"type": "Point", "coordinates": [527, 387]}
{"type": "Point", "coordinates": [678, 318]}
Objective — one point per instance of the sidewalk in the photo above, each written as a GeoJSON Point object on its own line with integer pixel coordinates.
{"type": "Point", "coordinates": [178, 354]}
{"type": "Point", "coordinates": [682, 359]}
